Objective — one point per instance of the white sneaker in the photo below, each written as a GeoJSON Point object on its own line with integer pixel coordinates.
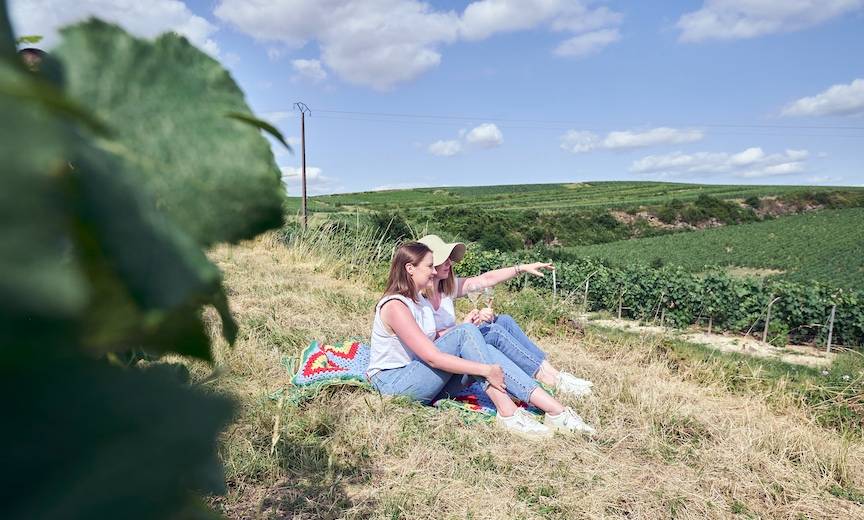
{"type": "Point", "coordinates": [568, 421]}
{"type": "Point", "coordinates": [569, 384]}
{"type": "Point", "coordinates": [524, 424]}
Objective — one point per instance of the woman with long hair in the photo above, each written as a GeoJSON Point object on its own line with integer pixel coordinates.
{"type": "Point", "coordinates": [407, 359]}
{"type": "Point", "coordinates": [501, 331]}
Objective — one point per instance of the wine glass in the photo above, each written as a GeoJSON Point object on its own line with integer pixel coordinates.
{"type": "Point", "coordinates": [488, 295]}
{"type": "Point", "coordinates": [473, 291]}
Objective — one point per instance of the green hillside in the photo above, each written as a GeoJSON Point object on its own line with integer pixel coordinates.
{"type": "Point", "coordinates": [586, 195]}
{"type": "Point", "coordinates": [826, 245]}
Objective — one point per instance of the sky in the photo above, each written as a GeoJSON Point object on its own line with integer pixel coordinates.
{"type": "Point", "coordinates": [405, 93]}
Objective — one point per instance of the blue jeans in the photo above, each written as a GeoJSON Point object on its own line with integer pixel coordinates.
{"type": "Point", "coordinates": [424, 383]}
{"type": "Point", "coordinates": [505, 335]}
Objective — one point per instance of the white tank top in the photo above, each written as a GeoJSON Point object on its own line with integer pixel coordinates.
{"type": "Point", "coordinates": [387, 350]}
{"type": "Point", "coordinates": [445, 314]}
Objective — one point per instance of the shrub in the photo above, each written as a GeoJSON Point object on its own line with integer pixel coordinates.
{"type": "Point", "coordinates": [391, 225]}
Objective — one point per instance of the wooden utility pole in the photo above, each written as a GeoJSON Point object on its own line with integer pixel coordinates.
{"type": "Point", "coordinates": [303, 110]}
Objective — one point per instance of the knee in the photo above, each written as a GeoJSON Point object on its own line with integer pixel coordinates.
{"type": "Point", "coordinates": [469, 332]}
{"type": "Point", "coordinates": [504, 320]}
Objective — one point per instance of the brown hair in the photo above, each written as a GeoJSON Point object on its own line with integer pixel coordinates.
{"type": "Point", "coordinates": [399, 281]}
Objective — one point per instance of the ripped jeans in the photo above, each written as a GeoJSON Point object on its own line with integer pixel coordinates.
{"type": "Point", "coordinates": [424, 383]}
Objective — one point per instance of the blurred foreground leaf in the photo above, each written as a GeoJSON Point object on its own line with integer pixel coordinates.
{"type": "Point", "coordinates": [100, 252]}
{"type": "Point", "coordinates": [215, 177]}
{"type": "Point", "coordinates": [96, 441]}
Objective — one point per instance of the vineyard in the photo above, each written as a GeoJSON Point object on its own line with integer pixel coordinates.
{"type": "Point", "coordinates": [552, 197]}
{"type": "Point", "coordinates": [827, 246]}
{"type": "Point", "coordinates": [673, 296]}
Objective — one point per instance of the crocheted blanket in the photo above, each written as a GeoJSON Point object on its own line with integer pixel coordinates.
{"type": "Point", "coordinates": [346, 363]}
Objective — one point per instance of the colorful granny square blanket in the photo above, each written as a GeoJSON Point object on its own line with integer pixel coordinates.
{"type": "Point", "coordinates": [474, 399]}
{"type": "Point", "coordinates": [346, 363]}
{"type": "Point", "coordinates": [321, 363]}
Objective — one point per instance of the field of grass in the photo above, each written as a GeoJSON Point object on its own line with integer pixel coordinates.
{"type": "Point", "coordinates": [682, 433]}
{"type": "Point", "coordinates": [827, 246]}
{"type": "Point", "coordinates": [583, 195]}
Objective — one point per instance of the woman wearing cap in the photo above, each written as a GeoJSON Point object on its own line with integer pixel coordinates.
{"type": "Point", "coordinates": [407, 359]}
{"type": "Point", "coordinates": [500, 331]}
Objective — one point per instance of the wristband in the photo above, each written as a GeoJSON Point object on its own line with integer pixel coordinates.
{"type": "Point", "coordinates": [516, 268]}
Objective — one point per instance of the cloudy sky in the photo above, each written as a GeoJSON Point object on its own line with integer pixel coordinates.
{"type": "Point", "coordinates": [406, 93]}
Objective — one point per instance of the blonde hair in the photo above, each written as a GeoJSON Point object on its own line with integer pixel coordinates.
{"type": "Point", "coordinates": [448, 285]}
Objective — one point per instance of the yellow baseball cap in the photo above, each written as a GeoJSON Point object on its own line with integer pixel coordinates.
{"type": "Point", "coordinates": [441, 250]}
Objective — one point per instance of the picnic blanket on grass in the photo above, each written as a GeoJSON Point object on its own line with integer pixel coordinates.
{"type": "Point", "coordinates": [322, 365]}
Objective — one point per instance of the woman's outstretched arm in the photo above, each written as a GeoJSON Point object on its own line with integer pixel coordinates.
{"type": "Point", "coordinates": [491, 278]}
{"type": "Point", "coordinates": [396, 315]}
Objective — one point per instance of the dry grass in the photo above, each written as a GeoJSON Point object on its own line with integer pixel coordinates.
{"type": "Point", "coordinates": [669, 445]}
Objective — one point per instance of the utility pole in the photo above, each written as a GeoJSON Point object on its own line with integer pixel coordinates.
{"type": "Point", "coordinates": [303, 111]}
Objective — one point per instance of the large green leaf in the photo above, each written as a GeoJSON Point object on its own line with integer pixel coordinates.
{"type": "Point", "coordinates": [89, 440]}
{"type": "Point", "coordinates": [149, 278]}
{"type": "Point", "coordinates": [41, 289]}
{"type": "Point", "coordinates": [166, 102]}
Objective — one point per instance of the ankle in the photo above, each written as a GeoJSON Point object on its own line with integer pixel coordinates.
{"type": "Point", "coordinates": [556, 411]}
{"type": "Point", "coordinates": [546, 374]}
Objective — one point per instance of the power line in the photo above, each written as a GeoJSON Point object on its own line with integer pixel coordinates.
{"type": "Point", "coordinates": [563, 128]}
{"type": "Point", "coordinates": [577, 123]}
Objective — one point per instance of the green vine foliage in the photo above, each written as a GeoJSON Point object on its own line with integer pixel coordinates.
{"type": "Point", "coordinates": [684, 298]}
{"type": "Point", "coordinates": [119, 165]}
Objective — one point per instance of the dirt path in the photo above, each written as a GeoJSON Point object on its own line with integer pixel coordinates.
{"type": "Point", "coordinates": [793, 354]}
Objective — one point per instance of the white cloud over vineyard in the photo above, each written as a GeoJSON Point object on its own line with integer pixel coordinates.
{"type": "Point", "coordinates": [381, 43]}
{"type": "Point", "coordinates": [486, 135]}
{"type": "Point", "coordinates": [750, 163]}
{"type": "Point", "coordinates": [838, 100]}
{"type": "Point", "coordinates": [581, 141]}
{"type": "Point", "coordinates": [738, 19]}
{"type": "Point", "coordinates": [316, 183]}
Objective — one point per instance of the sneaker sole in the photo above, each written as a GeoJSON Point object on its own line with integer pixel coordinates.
{"type": "Point", "coordinates": [527, 435]}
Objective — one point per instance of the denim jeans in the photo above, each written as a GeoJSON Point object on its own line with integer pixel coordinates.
{"type": "Point", "coordinates": [505, 335]}
{"type": "Point", "coordinates": [424, 383]}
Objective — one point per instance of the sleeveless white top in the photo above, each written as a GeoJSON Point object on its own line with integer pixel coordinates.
{"type": "Point", "coordinates": [387, 350]}
{"type": "Point", "coordinates": [445, 314]}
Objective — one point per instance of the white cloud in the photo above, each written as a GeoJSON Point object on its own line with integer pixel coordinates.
{"type": "Point", "coordinates": [381, 43]}
{"type": "Point", "coordinates": [274, 53]}
{"type": "Point", "coordinates": [144, 19]}
{"type": "Point", "coordinates": [316, 183]}
{"type": "Point", "coordinates": [487, 135]}
{"type": "Point", "coordinates": [752, 162]}
{"type": "Point", "coordinates": [279, 117]}
{"type": "Point", "coordinates": [484, 18]}
{"type": "Point", "coordinates": [588, 43]}
{"type": "Point", "coordinates": [838, 100]}
{"type": "Point", "coordinates": [291, 172]}
{"type": "Point", "coordinates": [310, 70]}
{"type": "Point", "coordinates": [655, 136]}
{"type": "Point", "coordinates": [376, 43]}
{"type": "Point", "coordinates": [445, 148]}
{"type": "Point", "coordinates": [580, 141]}
{"type": "Point", "coordinates": [576, 141]}
{"type": "Point", "coordinates": [737, 19]}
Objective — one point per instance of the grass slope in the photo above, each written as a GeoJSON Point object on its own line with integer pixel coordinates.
{"type": "Point", "coordinates": [583, 195]}
{"type": "Point", "coordinates": [675, 438]}
{"type": "Point", "coordinates": [827, 246]}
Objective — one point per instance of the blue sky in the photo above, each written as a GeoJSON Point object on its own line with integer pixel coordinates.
{"type": "Point", "coordinates": [525, 91]}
